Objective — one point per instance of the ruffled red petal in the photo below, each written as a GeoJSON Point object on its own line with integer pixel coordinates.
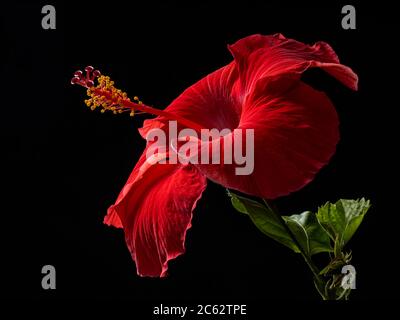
{"type": "Point", "coordinates": [261, 57]}
{"type": "Point", "coordinates": [155, 209]}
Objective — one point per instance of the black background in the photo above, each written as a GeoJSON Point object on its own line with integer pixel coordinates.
{"type": "Point", "coordinates": [64, 165]}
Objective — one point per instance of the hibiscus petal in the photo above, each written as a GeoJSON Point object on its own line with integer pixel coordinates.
{"type": "Point", "coordinates": [155, 209]}
{"type": "Point", "coordinates": [261, 57]}
{"type": "Point", "coordinates": [210, 102]}
{"type": "Point", "coordinates": [294, 136]}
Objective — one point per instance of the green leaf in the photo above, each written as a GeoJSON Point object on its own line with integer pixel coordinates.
{"type": "Point", "coordinates": [264, 219]}
{"type": "Point", "coordinates": [341, 219]}
{"type": "Point", "coordinates": [309, 233]}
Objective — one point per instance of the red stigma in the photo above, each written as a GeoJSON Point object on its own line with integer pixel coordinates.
{"type": "Point", "coordinates": [87, 80]}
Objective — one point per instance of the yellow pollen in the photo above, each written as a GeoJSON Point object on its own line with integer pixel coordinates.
{"type": "Point", "coordinates": [106, 97]}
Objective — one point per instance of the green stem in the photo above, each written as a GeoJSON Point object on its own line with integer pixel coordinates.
{"type": "Point", "coordinates": [306, 258]}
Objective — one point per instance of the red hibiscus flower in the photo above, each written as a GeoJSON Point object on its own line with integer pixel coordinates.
{"type": "Point", "coordinates": [295, 134]}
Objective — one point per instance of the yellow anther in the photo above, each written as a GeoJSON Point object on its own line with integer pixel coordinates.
{"type": "Point", "coordinates": [106, 97]}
